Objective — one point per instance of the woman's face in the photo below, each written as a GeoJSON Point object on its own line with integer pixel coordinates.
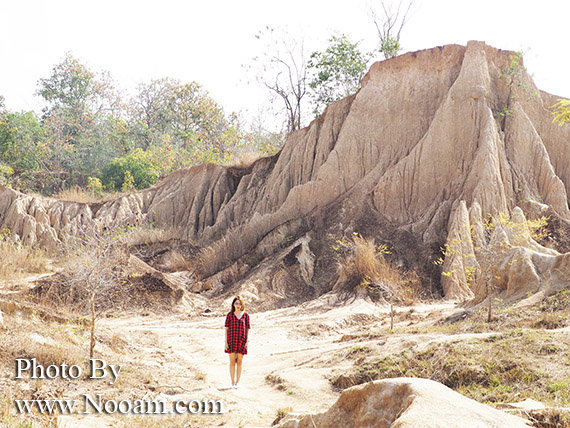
{"type": "Point", "coordinates": [237, 305]}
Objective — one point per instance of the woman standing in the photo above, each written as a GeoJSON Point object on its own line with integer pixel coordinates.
{"type": "Point", "coordinates": [237, 329]}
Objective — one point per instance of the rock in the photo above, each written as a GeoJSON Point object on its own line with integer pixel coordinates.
{"type": "Point", "coordinates": [528, 405]}
{"type": "Point", "coordinates": [406, 403]}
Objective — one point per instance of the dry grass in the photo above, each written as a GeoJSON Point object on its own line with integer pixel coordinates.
{"type": "Point", "coordinates": [19, 260]}
{"type": "Point", "coordinates": [10, 419]}
{"type": "Point", "coordinates": [234, 244]}
{"type": "Point", "coordinates": [364, 266]}
{"type": "Point", "coordinates": [244, 158]}
{"type": "Point", "coordinates": [161, 421]}
{"type": "Point", "coordinates": [502, 368]}
{"type": "Point", "coordinates": [54, 343]}
{"type": "Point", "coordinates": [366, 261]}
{"type": "Point", "coordinates": [518, 358]}
{"type": "Point", "coordinates": [176, 262]}
{"type": "Point", "coordinates": [549, 418]}
{"type": "Point", "coordinates": [48, 342]}
{"type": "Point", "coordinates": [76, 194]}
{"type": "Point", "coordinates": [148, 233]}
{"type": "Point", "coordinates": [80, 195]}
{"type": "Point", "coordinates": [553, 312]}
{"type": "Point", "coordinates": [218, 255]}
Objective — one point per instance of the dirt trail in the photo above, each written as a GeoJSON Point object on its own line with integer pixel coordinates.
{"type": "Point", "coordinates": [300, 349]}
{"type": "Point", "coordinates": [294, 354]}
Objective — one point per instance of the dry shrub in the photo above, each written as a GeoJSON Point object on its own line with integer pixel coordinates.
{"type": "Point", "coordinates": [281, 413]}
{"type": "Point", "coordinates": [549, 418]}
{"type": "Point", "coordinates": [18, 259]}
{"type": "Point", "coordinates": [173, 261]}
{"type": "Point", "coordinates": [276, 380]}
{"type": "Point", "coordinates": [364, 267]}
{"type": "Point", "coordinates": [117, 343]}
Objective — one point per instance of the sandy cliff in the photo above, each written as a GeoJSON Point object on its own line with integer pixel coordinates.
{"type": "Point", "coordinates": [434, 146]}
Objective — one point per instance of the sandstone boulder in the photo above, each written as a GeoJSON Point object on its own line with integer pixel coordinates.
{"type": "Point", "coordinates": [406, 403]}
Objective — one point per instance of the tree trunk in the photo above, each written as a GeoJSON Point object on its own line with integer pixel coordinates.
{"type": "Point", "coordinates": [490, 307]}
{"type": "Point", "coordinates": [391, 316]}
{"type": "Point", "coordinates": [92, 341]}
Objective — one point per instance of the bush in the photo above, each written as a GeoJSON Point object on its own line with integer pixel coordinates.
{"type": "Point", "coordinates": [5, 171]}
{"type": "Point", "coordinates": [139, 165]}
{"type": "Point", "coordinates": [363, 264]}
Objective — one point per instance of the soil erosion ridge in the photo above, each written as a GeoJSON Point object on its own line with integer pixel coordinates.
{"type": "Point", "coordinates": [451, 147]}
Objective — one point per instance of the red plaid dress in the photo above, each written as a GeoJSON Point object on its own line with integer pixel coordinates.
{"type": "Point", "coordinates": [237, 333]}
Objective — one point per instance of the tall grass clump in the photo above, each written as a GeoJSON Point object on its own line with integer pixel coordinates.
{"type": "Point", "coordinates": [76, 194]}
{"type": "Point", "coordinates": [365, 270]}
{"type": "Point", "coordinates": [363, 266]}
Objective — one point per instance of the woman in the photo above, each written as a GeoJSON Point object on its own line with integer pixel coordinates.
{"type": "Point", "coordinates": [237, 329]}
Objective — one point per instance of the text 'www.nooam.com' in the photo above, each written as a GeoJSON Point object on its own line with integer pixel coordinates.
{"type": "Point", "coordinates": [95, 404]}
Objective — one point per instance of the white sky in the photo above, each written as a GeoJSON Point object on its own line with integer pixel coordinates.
{"type": "Point", "coordinates": [208, 41]}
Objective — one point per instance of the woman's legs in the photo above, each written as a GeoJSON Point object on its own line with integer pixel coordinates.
{"type": "Point", "coordinates": [233, 358]}
{"type": "Point", "coordinates": [238, 368]}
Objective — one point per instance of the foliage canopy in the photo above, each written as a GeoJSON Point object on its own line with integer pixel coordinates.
{"type": "Point", "coordinates": [88, 134]}
{"type": "Point", "coordinates": [337, 71]}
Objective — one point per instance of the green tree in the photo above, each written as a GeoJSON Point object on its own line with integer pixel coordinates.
{"type": "Point", "coordinates": [148, 112]}
{"type": "Point", "coordinates": [196, 117]}
{"type": "Point", "coordinates": [183, 111]}
{"type": "Point", "coordinates": [79, 104]}
{"type": "Point", "coordinates": [22, 142]}
{"type": "Point", "coordinates": [389, 23]}
{"type": "Point", "coordinates": [337, 71]}
{"type": "Point", "coordinates": [137, 165]}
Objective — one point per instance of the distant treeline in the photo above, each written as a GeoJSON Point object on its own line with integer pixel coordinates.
{"type": "Point", "coordinates": [90, 136]}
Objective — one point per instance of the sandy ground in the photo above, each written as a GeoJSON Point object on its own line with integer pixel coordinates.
{"type": "Point", "coordinates": [293, 355]}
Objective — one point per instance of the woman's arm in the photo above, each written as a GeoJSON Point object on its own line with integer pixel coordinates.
{"type": "Point", "coordinates": [226, 345]}
{"type": "Point", "coordinates": [247, 328]}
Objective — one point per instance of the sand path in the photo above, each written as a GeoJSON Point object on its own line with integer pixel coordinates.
{"type": "Point", "coordinates": [292, 356]}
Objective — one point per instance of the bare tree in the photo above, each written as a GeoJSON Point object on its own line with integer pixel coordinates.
{"type": "Point", "coordinates": [282, 69]}
{"type": "Point", "coordinates": [95, 257]}
{"type": "Point", "coordinates": [389, 22]}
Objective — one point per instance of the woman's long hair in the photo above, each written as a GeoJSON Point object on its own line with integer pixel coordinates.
{"type": "Point", "coordinates": [241, 301]}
